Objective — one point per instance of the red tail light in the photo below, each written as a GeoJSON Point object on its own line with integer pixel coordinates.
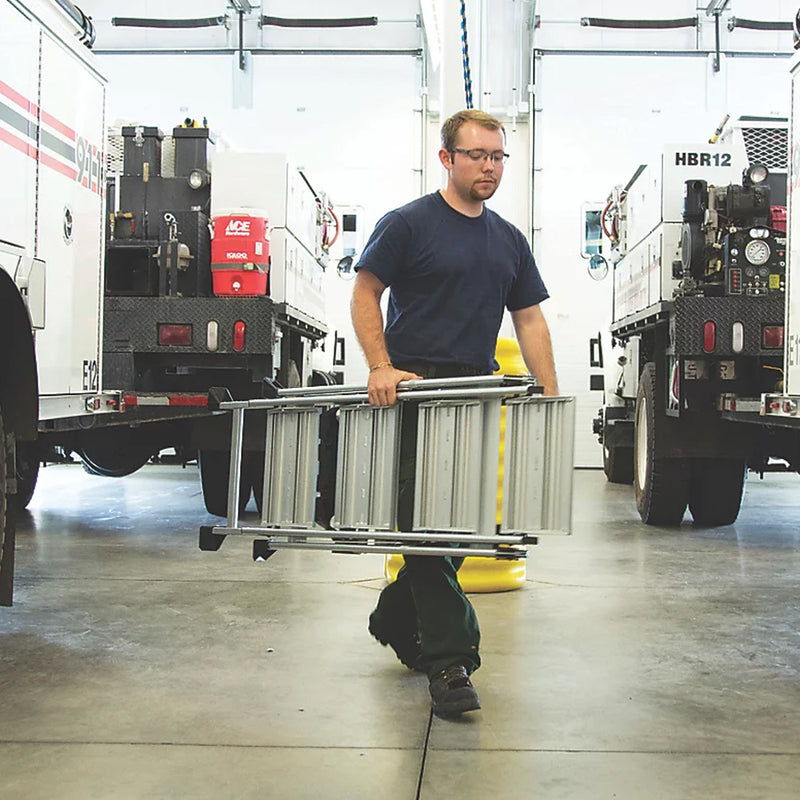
{"type": "Point", "coordinates": [238, 336]}
{"type": "Point", "coordinates": [709, 337]}
{"type": "Point", "coordinates": [180, 335]}
{"type": "Point", "coordinates": [772, 336]}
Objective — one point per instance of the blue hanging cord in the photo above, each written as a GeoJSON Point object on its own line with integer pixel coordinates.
{"type": "Point", "coordinates": [465, 55]}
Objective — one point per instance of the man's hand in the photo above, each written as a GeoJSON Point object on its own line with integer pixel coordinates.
{"type": "Point", "coordinates": [382, 384]}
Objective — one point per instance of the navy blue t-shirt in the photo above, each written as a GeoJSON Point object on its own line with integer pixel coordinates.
{"type": "Point", "coordinates": [450, 277]}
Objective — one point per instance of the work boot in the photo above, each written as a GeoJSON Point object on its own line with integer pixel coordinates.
{"type": "Point", "coordinates": [406, 646]}
{"type": "Point", "coordinates": [452, 693]}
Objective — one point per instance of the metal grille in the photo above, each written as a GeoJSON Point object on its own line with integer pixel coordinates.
{"type": "Point", "coordinates": [115, 161]}
{"type": "Point", "coordinates": [767, 146]}
{"type": "Point", "coordinates": [114, 154]}
{"type": "Point", "coordinates": [168, 157]}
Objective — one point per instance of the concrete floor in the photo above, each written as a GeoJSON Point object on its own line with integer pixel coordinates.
{"type": "Point", "coordinates": [634, 663]}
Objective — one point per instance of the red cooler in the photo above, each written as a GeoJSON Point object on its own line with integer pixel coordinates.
{"type": "Point", "coordinates": [240, 253]}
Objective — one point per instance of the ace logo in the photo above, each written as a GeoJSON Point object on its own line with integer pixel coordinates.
{"type": "Point", "coordinates": [238, 227]}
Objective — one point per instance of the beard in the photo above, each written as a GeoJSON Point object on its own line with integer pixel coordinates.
{"type": "Point", "coordinates": [482, 191]}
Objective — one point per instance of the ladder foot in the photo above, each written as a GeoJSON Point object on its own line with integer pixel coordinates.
{"type": "Point", "coordinates": [209, 540]}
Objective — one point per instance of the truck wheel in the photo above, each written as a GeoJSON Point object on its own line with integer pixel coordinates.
{"type": "Point", "coordinates": [27, 475]}
{"type": "Point", "coordinates": [214, 471]}
{"type": "Point", "coordinates": [715, 495]}
{"type": "Point", "coordinates": [115, 454]}
{"type": "Point", "coordinates": [6, 527]}
{"type": "Point", "coordinates": [661, 484]}
{"type": "Point", "coordinates": [618, 464]}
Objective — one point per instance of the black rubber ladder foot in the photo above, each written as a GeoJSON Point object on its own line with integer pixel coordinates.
{"type": "Point", "coordinates": [209, 540]}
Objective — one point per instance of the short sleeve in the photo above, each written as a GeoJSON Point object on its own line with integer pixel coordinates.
{"type": "Point", "coordinates": [528, 288]}
{"type": "Point", "coordinates": [387, 249]}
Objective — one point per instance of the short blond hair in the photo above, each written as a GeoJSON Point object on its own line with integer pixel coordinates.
{"type": "Point", "coordinates": [453, 124]}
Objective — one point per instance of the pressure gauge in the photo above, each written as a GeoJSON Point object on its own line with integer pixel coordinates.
{"type": "Point", "coordinates": [757, 252]}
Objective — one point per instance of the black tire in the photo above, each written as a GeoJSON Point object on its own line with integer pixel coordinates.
{"type": "Point", "coordinates": [115, 454]}
{"type": "Point", "coordinates": [28, 460]}
{"type": "Point", "coordinates": [715, 496]}
{"type": "Point", "coordinates": [214, 471]}
{"type": "Point", "coordinates": [6, 527]}
{"type": "Point", "coordinates": [618, 464]}
{"type": "Point", "coordinates": [320, 378]}
{"type": "Point", "coordinates": [661, 484]}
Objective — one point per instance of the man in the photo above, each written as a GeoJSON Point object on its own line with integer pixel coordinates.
{"type": "Point", "coordinates": [453, 267]}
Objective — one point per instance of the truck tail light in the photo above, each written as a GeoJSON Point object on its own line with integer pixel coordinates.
{"type": "Point", "coordinates": [709, 337]}
{"type": "Point", "coordinates": [176, 335]}
{"type": "Point", "coordinates": [675, 391]}
{"type": "Point", "coordinates": [737, 337]}
{"type": "Point", "coordinates": [212, 335]}
{"type": "Point", "coordinates": [772, 336]}
{"type": "Point", "coordinates": [238, 336]}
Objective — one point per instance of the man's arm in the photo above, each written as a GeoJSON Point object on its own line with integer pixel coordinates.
{"type": "Point", "coordinates": [365, 308]}
{"type": "Point", "coordinates": [533, 336]}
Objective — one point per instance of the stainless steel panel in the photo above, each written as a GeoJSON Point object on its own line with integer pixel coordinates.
{"type": "Point", "coordinates": [366, 471]}
{"type": "Point", "coordinates": [457, 466]}
{"type": "Point", "coordinates": [538, 466]}
{"type": "Point", "coordinates": [290, 467]}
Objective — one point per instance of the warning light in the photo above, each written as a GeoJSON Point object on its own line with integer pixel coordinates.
{"type": "Point", "coordinates": [772, 336]}
{"type": "Point", "coordinates": [238, 336]}
{"type": "Point", "coordinates": [176, 335]}
{"type": "Point", "coordinates": [709, 337]}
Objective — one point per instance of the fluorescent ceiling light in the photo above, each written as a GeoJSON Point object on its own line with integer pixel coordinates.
{"type": "Point", "coordinates": [716, 6]}
{"type": "Point", "coordinates": [432, 21]}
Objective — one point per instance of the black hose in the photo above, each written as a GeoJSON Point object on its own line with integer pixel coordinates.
{"type": "Point", "coordinates": [144, 22]}
{"type": "Point", "coordinates": [758, 24]}
{"type": "Point", "coordinates": [343, 22]}
{"type": "Point", "coordinates": [600, 22]}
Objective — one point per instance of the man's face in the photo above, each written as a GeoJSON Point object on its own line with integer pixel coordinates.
{"type": "Point", "coordinates": [475, 180]}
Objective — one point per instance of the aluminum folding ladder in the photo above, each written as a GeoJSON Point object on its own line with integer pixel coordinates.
{"type": "Point", "coordinates": [459, 436]}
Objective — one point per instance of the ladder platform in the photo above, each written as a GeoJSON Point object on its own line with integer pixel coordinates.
{"type": "Point", "coordinates": [462, 432]}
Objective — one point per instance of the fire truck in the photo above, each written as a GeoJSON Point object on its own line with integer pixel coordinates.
{"type": "Point", "coordinates": [139, 272]}
{"type": "Point", "coordinates": [698, 244]}
{"type": "Point", "coordinates": [783, 407]}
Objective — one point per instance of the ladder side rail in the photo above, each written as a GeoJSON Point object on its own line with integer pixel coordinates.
{"type": "Point", "coordinates": [427, 383]}
{"type": "Point", "coordinates": [235, 466]}
{"type": "Point", "coordinates": [414, 395]}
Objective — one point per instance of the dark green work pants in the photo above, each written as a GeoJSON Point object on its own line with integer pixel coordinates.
{"type": "Point", "coordinates": [426, 597]}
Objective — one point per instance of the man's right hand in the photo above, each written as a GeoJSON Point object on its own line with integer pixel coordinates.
{"type": "Point", "coordinates": [382, 384]}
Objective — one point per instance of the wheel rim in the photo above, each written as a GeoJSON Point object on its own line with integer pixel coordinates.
{"type": "Point", "coordinates": [641, 444]}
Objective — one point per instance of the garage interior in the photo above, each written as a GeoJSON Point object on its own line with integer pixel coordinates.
{"type": "Point", "coordinates": [625, 660]}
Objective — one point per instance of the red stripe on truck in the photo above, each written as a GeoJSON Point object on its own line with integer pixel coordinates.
{"type": "Point", "coordinates": [165, 400]}
{"type": "Point", "coordinates": [32, 108]}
